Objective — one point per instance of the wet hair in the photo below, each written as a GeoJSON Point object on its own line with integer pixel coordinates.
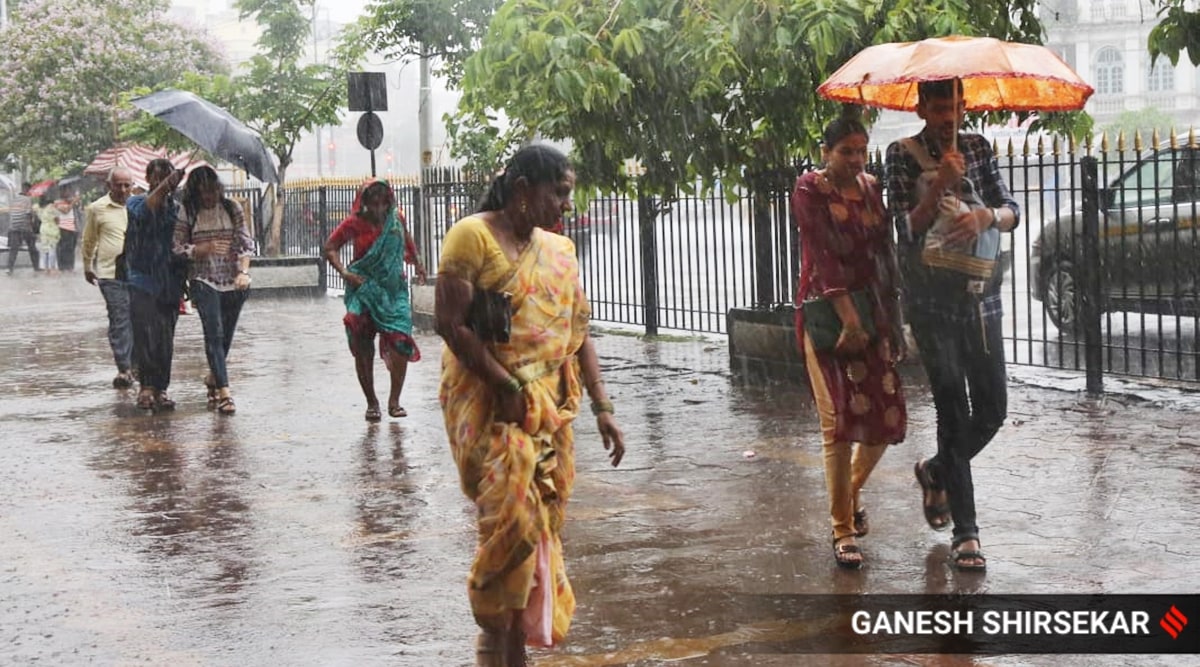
{"type": "Point", "coordinates": [372, 190]}
{"type": "Point", "coordinates": [845, 125]}
{"type": "Point", "coordinates": [537, 163]}
{"type": "Point", "coordinates": [159, 166]}
{"type": "Point", "coordinates": [942, 89]}
{"type": "Point", "coordinates": [201, 178]}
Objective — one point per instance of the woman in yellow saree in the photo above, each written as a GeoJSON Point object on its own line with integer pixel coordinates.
{"type": "Point", "coordinates": [509, 406]}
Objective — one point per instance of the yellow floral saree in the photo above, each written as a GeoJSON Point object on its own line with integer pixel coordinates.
{"type": "Point", "coordinates": [519, 476]}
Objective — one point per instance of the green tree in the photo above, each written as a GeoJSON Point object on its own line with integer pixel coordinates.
{"type": "Point", "coordinates": [446, 30]}
{"type": "Point", "coordinates": [697, 90]}
{"type": "Point", "coordinates": [275, 93]}
{"type": "Point", "coordinates": [64, 65]}
{"type": "Point", "coordinates": [1178, 30]}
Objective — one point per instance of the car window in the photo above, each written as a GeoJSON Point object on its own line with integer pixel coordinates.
{"type": "Point", "coordinates": [1187, 176]}
{"type": "Point", "coordinates": [1148, 183]}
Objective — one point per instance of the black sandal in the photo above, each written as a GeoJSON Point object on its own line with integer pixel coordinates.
{"type": "Point", "coordinates": [961, 558]}
{"type": "Point", "coordinates": [226, 406]}
{"type": "Point", "coordinates": [937, 514]}
{"type": "Point", "coordinates": [842, 554]}
{"type": "Point", "coordinates": [861, 527]}
{"type": "Point", "coordinates": [397, 411]}
{"type": "Point", "coordinates": [373, 414]}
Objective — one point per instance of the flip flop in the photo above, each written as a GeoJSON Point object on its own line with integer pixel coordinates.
{"type": "Point", "coordinates": [937, 515]}
{"type": "Point", "coordinates": [373, 414]}
{"type": "Point", "coordinates": [397, 411]}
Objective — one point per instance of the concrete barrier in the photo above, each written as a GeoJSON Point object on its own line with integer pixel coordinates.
{"type": "Point", "coordinates": [762, 344]}
{"type": "Point", "coordinates": [286, 276]}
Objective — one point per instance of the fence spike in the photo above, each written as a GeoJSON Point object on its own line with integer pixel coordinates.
{"type": "Point", "coordinates": [1171, 138]}
{"type": "Point", "coordinates": [1137, 141]}
{"type": "Point", "coordinates": [1192, 136]}
{"type": "Point", "coordinates": [1041, 145]}
{"type": "Point", "coordinates": [1154, 138]}
{"type": "Point", "coordinates": [1011, 149]}
{"type": "Point", "coordinates": [1103, 141]}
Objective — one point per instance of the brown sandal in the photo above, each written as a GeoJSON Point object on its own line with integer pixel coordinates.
{"type": "Point", "coordinates": [397, 411]}
{"type": "Point", "coordinates": [211, 384]}
{"type": "Point", "coordinates": [373, 414]}
{"type": "Point", "coordinates": [937, 514]}
{"type": "Point", "coordinates": [848, 556]}
{"type": "Point", "coordinates": [226, 406]}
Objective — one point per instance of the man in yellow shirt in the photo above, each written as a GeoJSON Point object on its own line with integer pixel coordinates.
{"type": "Point", "coordinates": [103, 243]}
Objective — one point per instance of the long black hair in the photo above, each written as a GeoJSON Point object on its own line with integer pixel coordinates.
{"type": "Point", "coordinates": [538, 163]}
{"type": "Point", "coordinates": [198, 179]}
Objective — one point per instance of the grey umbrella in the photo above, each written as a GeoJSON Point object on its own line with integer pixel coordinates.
{"type": "Point", "coordinates": [213, 129]}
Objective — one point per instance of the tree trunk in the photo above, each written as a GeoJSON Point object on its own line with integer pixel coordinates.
{"type": "Point", "coordinates": [274, 240]}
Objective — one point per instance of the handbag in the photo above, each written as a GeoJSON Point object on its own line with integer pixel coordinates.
{"type": "Point", "coordinates": [490, 315]}
{"type": "Point", "coordinates": [976, 259]}
{"type": "Point", "coordinates": [824, 327]}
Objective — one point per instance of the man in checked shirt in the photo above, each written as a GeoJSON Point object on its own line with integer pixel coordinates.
{"type": "Point", "coordinates": [955, 319]}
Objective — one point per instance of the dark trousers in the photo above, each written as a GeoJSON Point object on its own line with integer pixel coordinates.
{"type": "Point", "coordinates": [967, 378]}
{"type": "Point", "coordinates": [219, 313]}
{"type": "Point", "coordinates": [66, 250]}
{"type": "Point", "coordinates": [120, 328]}
{"type": "Point", "coordinates": [15, 239]}
{"type": "Point", "coordinates": [153, 337]}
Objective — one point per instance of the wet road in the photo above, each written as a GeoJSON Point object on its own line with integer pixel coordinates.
{"type": "Point", "coordinates": [294, 533]}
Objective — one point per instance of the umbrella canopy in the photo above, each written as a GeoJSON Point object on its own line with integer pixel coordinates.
{"type": "Point", "coordinates": [41, 187]}
{"type": "Point", "coordinates": [213, 129]}
{"type": "Point", "coordinates": [996, 75]}
{"type": "Point", "coordinates": [136, 157]}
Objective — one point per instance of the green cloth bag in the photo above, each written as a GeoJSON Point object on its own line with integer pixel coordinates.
{"type": "Point", "coordinates": [823, 326]}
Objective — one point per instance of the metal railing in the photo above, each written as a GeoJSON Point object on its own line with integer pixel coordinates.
{"type": "Point", "coordinates": [1130, 273]}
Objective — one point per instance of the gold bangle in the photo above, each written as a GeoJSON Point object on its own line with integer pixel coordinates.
{"type": "Point", "coordinates": [603, 406]}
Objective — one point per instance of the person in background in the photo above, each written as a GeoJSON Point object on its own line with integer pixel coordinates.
{"type": "Point", "coordinates": [67, 216]}
{"type": "Point", "coordinates": [846, 246]}
{"type": "Point", "coordinates": [377, 298]}
{"type": "Point", "coordinates": [956, 320]}
{"type": "Point", "coordinates": [22, 225]}
{"type": "Point", "coordinates": [211, 234]}
{"type": "Point", "coordinates": [510, 406]}
{"type": "Point", "coordinates": [49, 235]}
{"type": "Point", "coordinates": [155, 282]}
{"type": "Point", "coordinates": [103, 242]}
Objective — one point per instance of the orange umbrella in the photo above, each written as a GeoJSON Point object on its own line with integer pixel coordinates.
{"type": "Point", "coordinates": [996, 75]}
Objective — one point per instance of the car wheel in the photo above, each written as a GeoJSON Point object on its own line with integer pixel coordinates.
{"type": "Point", "coordinates": [1062, 297]}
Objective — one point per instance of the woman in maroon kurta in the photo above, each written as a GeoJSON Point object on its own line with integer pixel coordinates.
{"type": "Point", "coordinates": [846, 246]}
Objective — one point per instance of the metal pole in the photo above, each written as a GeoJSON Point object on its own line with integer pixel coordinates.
{"type": "Point", "coordinates": [316, 60]}
{"type": "Point", "coordinates": [1089, 311]}
{"type": "Point", "coordinates": [3, 14]}
{"type": "Point", "coordinates": [425, 112]}
{"type": "Point", "coordinates": [647, 219]}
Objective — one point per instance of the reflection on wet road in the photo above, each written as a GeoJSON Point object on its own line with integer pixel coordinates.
{"type": "Point", "coordinates": [297, 534]}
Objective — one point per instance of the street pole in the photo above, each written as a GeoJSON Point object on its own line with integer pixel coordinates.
{"type": "Point", "coordinates": [3, 14]}
{"type": "Point", "coordinates": [425, 113]}
{"type": "Point", "coordinates": [316, 60]}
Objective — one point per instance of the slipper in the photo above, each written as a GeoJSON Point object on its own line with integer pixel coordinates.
{"type": "Point", "coordinates": [373, 414]}
{"type": "Point", "coordinates": [145, 400]}
{"type": "Point", "coordinates": [842, 555]}
{"type": "Point", "coordinates": [937, 514]}
{"type": "Point", "coordinates": [226, 406]}
{"type": "Point", "coordinates": [397, 411]}
{"type": "Point", "coordinates": [861, 527]}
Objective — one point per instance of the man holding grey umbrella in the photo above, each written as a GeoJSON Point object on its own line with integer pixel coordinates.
{"type": "Point", "coordinates": [155, 282]}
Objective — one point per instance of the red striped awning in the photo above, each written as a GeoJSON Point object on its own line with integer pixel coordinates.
{"type": "Point", "coordinates": [136, 157]}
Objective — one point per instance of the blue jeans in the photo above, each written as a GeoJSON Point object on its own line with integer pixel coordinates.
{"type": "Point", "coordinates": [120, 327]}
{"type": "Point", "coordinates": [967, 378]}
{"type": "Point", "coordinates": [219, 313]}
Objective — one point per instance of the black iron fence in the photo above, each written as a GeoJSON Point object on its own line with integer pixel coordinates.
{"type": "Point", "coordinates": [1113, 291]}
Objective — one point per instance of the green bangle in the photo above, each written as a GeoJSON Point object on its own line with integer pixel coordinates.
{"type": "Point", "coordinates": [511, 386]}
{"type": "Point", "coordinates": [603, 406]}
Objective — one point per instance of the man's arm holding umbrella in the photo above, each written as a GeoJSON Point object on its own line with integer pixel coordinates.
{"type": "Point", "coordinates": [157, 198]}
